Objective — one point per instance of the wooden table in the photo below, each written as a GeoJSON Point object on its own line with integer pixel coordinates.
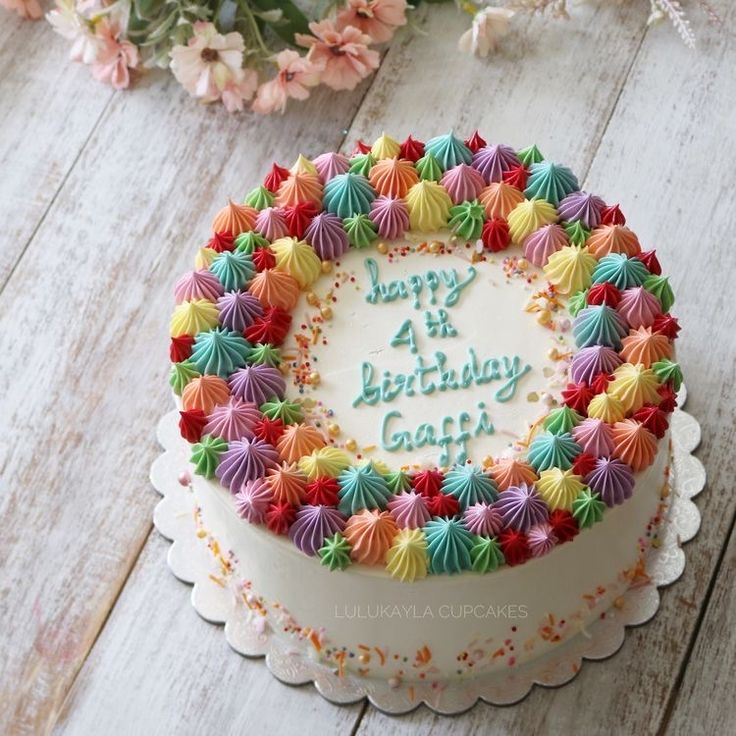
{"type": "Point", "coordinates": [103, 199]}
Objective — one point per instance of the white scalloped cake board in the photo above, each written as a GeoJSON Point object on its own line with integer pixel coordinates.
{"type": "Point", "coordinates": [192, 562]}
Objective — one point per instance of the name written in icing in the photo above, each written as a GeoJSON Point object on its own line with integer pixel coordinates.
{"type": "Point", "coordinates": [440, 436]}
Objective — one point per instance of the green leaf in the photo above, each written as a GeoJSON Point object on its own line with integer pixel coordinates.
{"type": "Point", "coordinates": [270, 16]}
{"type": "Point", "coordinates": [148, 9]}
{"type": "Point", "coordinates": [293, 21]}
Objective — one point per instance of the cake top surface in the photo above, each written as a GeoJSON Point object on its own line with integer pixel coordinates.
{"type": "Point", "coordinates": [435, 357]}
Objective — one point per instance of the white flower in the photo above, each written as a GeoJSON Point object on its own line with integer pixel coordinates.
{"type": "Point", "coordinates": [489, 25]}
{"type": "Point", "coordinates": [68, 23]}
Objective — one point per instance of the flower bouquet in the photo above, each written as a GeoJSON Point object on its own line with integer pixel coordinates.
{"type": "Point", "coordinates": [266, 52]}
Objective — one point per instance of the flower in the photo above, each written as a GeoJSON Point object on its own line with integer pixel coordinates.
{"type": "Point", "coordinates": [115, 57]}
{"type": "Point", "coordinates": [24, 8]}
{"type": "Point", "coordinates": [376, 18]}
{"type": "Point", "coordinates": [342, 55]}
{"type": "Point", "coordinates": [69, 23]}
{"type": "Point", "coordinates": [489, 25]}
{"type": "Point", "coordinates": [236, 94]}
{"type": "Point", "coordinates": [210, 67]}
{"type": "Point", "coordinates": [295, 75]}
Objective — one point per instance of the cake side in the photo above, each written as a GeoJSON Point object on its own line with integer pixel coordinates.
{"type": "Point", "coordinates": [365, 622]}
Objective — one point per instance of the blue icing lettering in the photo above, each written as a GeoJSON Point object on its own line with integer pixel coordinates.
{"type": "Point", "coordinates": [415, 284]}
{"type": "Point", "coordinates": [434, 374]}
{"type": "Point", "coordinates": [452, 433]}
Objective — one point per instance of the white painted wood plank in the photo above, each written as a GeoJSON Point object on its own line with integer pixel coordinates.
{"type": "Point", "coordinates": [705, 703]}
{"type": "Point", "coordinates": [48, 108]}
{"type": "Point", "coordinates": [553, 84]}
{"type": "Point", "coordinates": [83, 365]}
{"type": "Point", "coordinates": [156, 204]}
{"type": "Point", "coordinates": [662, 157]}
{"type": "Point", "coordinates": [159, 669]}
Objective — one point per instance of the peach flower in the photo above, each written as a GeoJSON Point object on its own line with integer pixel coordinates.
{"type": "Point", "coordinates": [377, 18]}
{"type": "Point", "coordinates": [342, 55]}
{"type": "Point", "coordinates": [236, 94]}
{"type": "Point", "coordinates": [210, 67]}
{"type": "Point", "coordinates": [115, 57]}
{"type": "Point", "coordinates": [294, 77]}
{"type": "Point", "coordinates": [489, 25]}
{"type": "Point", "coordinates": [25, 8]}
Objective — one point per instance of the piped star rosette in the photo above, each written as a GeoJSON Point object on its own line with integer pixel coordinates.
{"type": "Point", "coordinates": [233, 312]}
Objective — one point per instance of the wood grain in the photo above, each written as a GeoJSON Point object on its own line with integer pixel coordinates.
{"type": "Point", "coordinates": [86, 306]}
{"type": "Point", "coordinates": [49, 108]}
{"type": "Point", "coordinates": [83, 322]}
{"type": "Point", "coordinates": [661, 139]}
{"type": "Point", "coordinates": [531, 91]}
{"type": "Point", "coordinates": [158, 668]}
{"type": "Point", "coordinates": [88, 703]}
{"type": "Point", "coordinates": [705, 702]}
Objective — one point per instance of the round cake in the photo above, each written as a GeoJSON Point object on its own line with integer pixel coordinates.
{"type": "Point", "coordinates": [427, 388]}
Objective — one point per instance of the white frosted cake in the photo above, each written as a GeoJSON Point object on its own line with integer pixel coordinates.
{"type": "Point", "coordinates": [428, 389]}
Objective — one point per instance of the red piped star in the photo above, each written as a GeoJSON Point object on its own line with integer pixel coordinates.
{"type": "Point", "coordinates": [361, 147]}
{"type": "Point", "coordinates": [279, 517]}
{"type": "Point", "coordinates": [612, 215]}
{"type": "Point", "coordinates": [268, 430]}
{"type": "Point", "coordinates": [669, 398]}
{"type": "Point", "coordinates": [667, 325]}
{"type": "Point", "coordinates": [272, 327]}
{"type": "Point", "coordinates": [600, 383]}
{"type": "Point", "coordinates": [649, 259]}
{"type": "Point", "coordinates": [577, 396]}
{"type": "Point", "coordinates": [515, 546]}
{"type": "Point", "coordinates": [411, 149]}
{"type": "Point", "coordinates": [605, 293]}
{"type": "Point", "coordinates": [275, 177]}
{"type": "Point", "coordinates": [427, 482]}
{"type": "Point", "coordinates": [298, 217]}
{"type": "Point", "coordinates": [495, 234]}
{"type": "Point", "coordinates": [263, 258]}
{"type": "Point", "coordinates": [191, 424]}
{"type": "Point", "coordinates": [443, 505]}
{"type": "Point", "coordinates": [564, 525]}
{"type": "Point", "coordinates": [653, 418]}
{"type": "Point", "coordinates": [322, 492]}
{"type": "Point", "coordinates": [516, 176]}
{"type": "Point", "coordinates": [221, 241]}
{"type": "Point", "coordinates": [583, 464]}
{"type": "Point", "coordinates": [181, 348]}
{"type": "Point", "coordinates": [475, 142]}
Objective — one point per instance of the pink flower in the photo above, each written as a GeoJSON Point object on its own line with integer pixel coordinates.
{"type": "Point", "coordinates": [342, 55]}
{"type": "Point", "coordinates": [24, 8]}
{"type": "Point", "coordinates": [210, 67]}
{"type": "Point", "coordinates": [489, 25]}
{"type": "Point", "coordinates": [236, 94]}
{"type": "Point", "coordinates": [295, 75]}
{"type": "Point", "coordinates": [115, 57]}
{"type": "Point", "coordinates": [377, 18]}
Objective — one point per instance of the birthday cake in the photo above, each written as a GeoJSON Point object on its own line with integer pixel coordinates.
{"type": "Point", "coordinates": [427, 388]}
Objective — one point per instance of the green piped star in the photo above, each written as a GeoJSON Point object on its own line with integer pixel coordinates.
{"type": "Point", "coordinates": [335, 552]}
{"type": "Point", "coordinates": [206, 455]}
{"type": "Point", "coordinates": [486, 554]}
{"type": "Point", "coordinates": [588, 508]}
{"type": "Point", "coordinates": [577, 302]}
{"type": "Point", "coordinates": [287, 411]}
{"type": "Point", "coordinates": [576, 232]}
